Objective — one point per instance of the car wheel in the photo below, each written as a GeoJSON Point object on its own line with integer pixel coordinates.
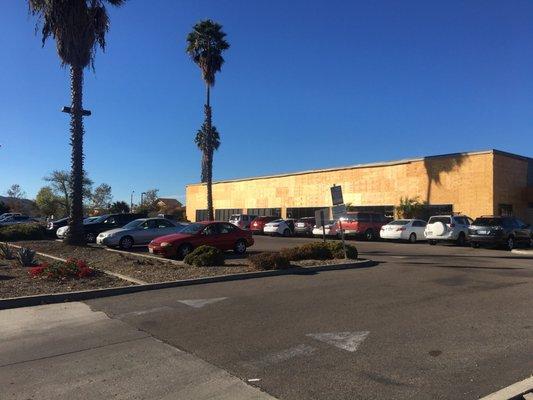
{"type": "Point", "coordinates": [510, 243]}
{"type": "Point", "coordinates": [531, 242]}
{"type": "Point", "coordinates": [90, 237]}
{"type": "Point", "coordinates": [184, 250]}
{"type": "Point", "coordinates": [286, 233]}
{"type": "Point", "coordinates": [240, 247]}
{"type": "Point", "coordinates": [432, 242]}
{"type": "Point", "coordinates": [461, 239]}
{"type": "Point", "coordinates": [369, 235]}
{"type": "Point", "coordinates": [126, 243]}
{"type": "Point", "coordinates": [474, 245]}
{"type": "Point", "coordinates": [412, 238]}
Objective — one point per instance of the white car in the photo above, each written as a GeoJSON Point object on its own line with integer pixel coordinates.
{"type": "Point", "coordinates": [283, 227]}
{"type": "Point", "coordinates": [330, 228]}
{"type": "Point", "coordinates": [447, 228]}
{"type": "Point", "coordinates": [61, 233]}
{"type": "Point", "coordinates": [404, 229]}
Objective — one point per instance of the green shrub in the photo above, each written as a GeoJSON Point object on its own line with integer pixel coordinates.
{"type": "Point", "coordinates": [13, 233]}
{"type": "Point", "coordinates": [6, 252]}
{"type": "Point", "coordinates": [205, 256]}
{"type": "Point", "coordinates": [268, 261]}
{"type": "Point", "coordinates": [26, 257]}
{"type": "Point", "coordinates": [309, 251]}
{"type": "Point", "coordinates": [338, 252]}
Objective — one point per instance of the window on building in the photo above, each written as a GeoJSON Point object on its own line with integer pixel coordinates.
{"type": "Point", "coordinates": [225, 214]}
{"type": "Point", "coordinates": [301, 212]}
{"type": "Point", "coordinates": [387, 211]}
{"type": "Point", "coordinates": [264, 212]}
{"type": "Point", "coordinates": [202, 215]}
{"type": "Point", "coordinates": [505, 210]}
{"type": "Point", "coordinates": [435, 209]}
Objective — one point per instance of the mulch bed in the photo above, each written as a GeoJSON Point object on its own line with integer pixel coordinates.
{"type": "Point", "coordinates": [15, 281]}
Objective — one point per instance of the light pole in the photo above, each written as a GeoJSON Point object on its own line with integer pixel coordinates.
{"type": "Point", "coordinates": [131, 201]}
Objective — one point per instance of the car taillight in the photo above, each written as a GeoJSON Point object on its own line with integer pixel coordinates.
{"type": "Point", "coordinates": [452, 225]}
{"type": "Point", "coordinates": [400, 229]}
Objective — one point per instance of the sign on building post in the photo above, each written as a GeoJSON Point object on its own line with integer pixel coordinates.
{"type": "Point", "coordinates": [339, 208]}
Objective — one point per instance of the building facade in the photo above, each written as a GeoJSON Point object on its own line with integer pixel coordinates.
{"type": "Point", "coordinates": [474, 183]}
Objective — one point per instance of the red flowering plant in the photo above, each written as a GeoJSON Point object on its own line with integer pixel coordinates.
{"type": "Point", "coordinates": [72, 268]}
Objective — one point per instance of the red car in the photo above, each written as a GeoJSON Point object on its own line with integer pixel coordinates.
{"type": "Point", "coordinates": [258, 224]}
{"type": "Point", "coordinates": [362, 224]}
{"type": "Point", "coordinates": [222, 235]}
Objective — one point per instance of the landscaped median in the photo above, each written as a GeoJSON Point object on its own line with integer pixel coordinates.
{"type": "Point", "coordinates": [81, 272]}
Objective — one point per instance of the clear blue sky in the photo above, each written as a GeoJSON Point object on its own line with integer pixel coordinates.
{"type": "Point", "coordinates": [306, 84]}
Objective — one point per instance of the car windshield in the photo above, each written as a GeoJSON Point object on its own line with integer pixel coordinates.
{"type": "Point", "coordinates": [488, 221]}
{"type": "Point", "coordinates": [399, 222]}
{"type": "Point", "coordinates": [133, 224]}
{"type": "Point", "coordinates": [234, 217]}
{"type": "Point", "coordinates": [97, 220]}
{"type": "Point", "coordinates": [192, 228]}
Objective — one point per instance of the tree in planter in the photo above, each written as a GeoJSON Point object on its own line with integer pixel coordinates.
{"type": "Point", "coordinates": [61, 185]}
{"type": "Point", "coordinates": [78, 27]}
{"type": "Point", "coordinates": [101, 197]}
{"type": "Point", "coordinates": [205, 45]}
{"type": "Point", "coordinates": [409, 208]}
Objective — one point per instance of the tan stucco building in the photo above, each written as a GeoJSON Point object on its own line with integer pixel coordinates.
{"type": "Point", "coordinates": [473, 183]}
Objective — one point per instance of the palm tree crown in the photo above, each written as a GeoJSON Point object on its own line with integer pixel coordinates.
{"type": "Point", "coordinates": [205, 45]}
{"type": "Point", "coordinates": [78, 27]}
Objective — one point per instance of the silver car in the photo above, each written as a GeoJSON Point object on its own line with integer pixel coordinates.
{"type": "Point", "coordinates": [138, 232]}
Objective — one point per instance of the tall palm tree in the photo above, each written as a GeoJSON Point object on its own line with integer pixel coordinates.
{"type": "Point", "coordinates": [205, 45]}
{"type": "Point", "coordinates": [78, 27]}
{"type": "Point", "coordinates": [202, 139]}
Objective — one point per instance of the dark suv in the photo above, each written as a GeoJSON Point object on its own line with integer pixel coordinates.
{"type": "Point", "coordinates": [499, 231]}
{"type": "Point", "coordinates": [304, 226]}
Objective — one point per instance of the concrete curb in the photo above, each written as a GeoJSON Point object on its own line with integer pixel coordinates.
{"type": "Point", "coordinates": [513, 391]}
{"type": "Point", "coordinates": [524, 252]}
{"type": "Point", "coordinates": [35, 300]}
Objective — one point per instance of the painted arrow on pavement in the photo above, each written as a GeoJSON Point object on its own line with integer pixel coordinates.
{"type": "Point", "coordinates": [199, 303]}
{"type": "Point", "coordinates": [348, 341]}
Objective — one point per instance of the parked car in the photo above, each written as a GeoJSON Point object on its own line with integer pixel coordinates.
{"type": "Point", "coordinates": [304, 226]}
{"type": "Point", "coordinates": [404, 229]}
{"type": "Point", "coordinates": [330, 229]}
{"type": "Point", "coordinates": [447, 228]}
{"type": "Point", "coordinates": [243, 221]}
{"type": "Point", "coordinates": [101, 224]}
{"type": "Point", "coordinates": [283, 227]}
{"type": "Point", "coordinates": [222, 235]}
{"type": "Point", "coordinates": [16, 220]}
{"type": "Point", "coordinates": [508, 232]}
{"type": "Point", "coordinates": [258, 223]}
{"type": "Point", "coordinates": [138, 232]}
{"type": "Point", "coordinates": [7, 215]}
{"type": "Point", "coordinates": [362, 224]}
{"type": "Point", "coordinates": [53, 226]}
{"type": "Point", "coordinates": [89, 219]}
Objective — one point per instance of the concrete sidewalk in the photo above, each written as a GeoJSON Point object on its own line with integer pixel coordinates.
{"type": "Point", "coordinates": [68, 351]}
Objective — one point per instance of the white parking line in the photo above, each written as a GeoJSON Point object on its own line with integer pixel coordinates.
{"type": "Point", "coordinates": [149, 311]}
{"type": "Point", "coordinates": [284, 355]}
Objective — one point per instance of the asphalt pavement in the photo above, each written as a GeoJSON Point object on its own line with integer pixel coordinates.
{"type": "Point", "coordinates": [427, 322]}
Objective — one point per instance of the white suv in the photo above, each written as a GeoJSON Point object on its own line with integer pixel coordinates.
{"type": "Point", "coordinates": [450, 228]}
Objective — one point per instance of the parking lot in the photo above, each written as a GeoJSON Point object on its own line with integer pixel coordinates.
{"type": "Point", "coordinates": [427, 322]}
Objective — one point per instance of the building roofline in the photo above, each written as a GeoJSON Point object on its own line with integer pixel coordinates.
{"type": "Point", "coordinates": [368, 165]}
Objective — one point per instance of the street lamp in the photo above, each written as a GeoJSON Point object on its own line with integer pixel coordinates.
{"type": "Point", "coordinates": [131, 201]}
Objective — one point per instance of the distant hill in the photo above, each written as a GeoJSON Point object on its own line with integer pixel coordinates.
{"type": "Point", "coordinates": [25, 206]}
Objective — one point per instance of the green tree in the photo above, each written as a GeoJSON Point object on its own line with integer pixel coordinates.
{"type": "Point", "coordinates": [61, 185]}
{"type": "Point", "coordinates": [119, 207]}
{"type": "Point", "coordinates": [205, 45]}
{"type": "Point", "coordinates": [148, 203]}
{"type": "Point", "coordinates": [78, 27]}
{"type": "Point", "coordinates": [102, 197]}
{"type": "Point", "coordinates": [47, 201]}
{"type": "Point", "coordinates": [409, 208]}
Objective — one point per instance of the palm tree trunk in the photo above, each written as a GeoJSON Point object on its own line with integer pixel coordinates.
{"type": "Point", "coordinates": [75, 234]}
{"type": "Point", "coordinates": [209, 158]}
